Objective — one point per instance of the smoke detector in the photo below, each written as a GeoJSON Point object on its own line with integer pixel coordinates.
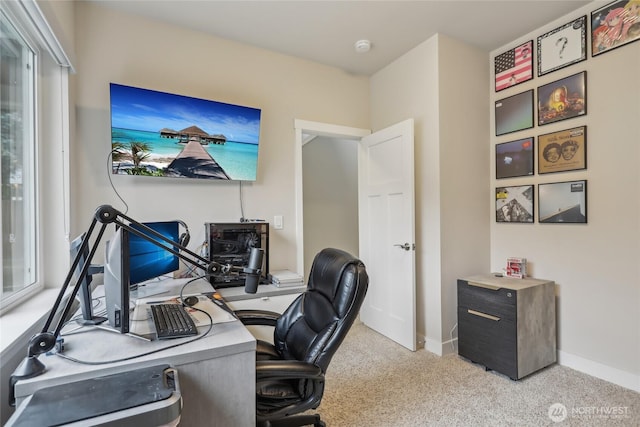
{"type": "Point", "coordinates": [362, 46]}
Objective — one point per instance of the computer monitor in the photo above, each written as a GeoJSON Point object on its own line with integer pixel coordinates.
{"type": "Point", "coordinates": [130, 260]}
{"type": "Point", "coordinates": [148, 260]}
{"type": "Point", "coordinates": [84, 293]}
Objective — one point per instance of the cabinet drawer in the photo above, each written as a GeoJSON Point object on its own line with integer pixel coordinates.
{"type": "Point", "coordinates": [499, 302]}
{"type": "Point", "coordinates": [488, 341]}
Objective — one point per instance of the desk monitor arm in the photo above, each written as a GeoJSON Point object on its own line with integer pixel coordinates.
{"type": "Point", "coordinates": [45, 340]}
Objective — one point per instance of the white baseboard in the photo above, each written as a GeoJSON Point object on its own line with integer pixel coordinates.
{"type": "Point", "coordinates": [433, 346]}
{"type": "Point", "coordinates": [441, 348]}
{"type": "Point", "coordinates": [589, 367]}
{"type": "Point", "coordinates": [598, 370]}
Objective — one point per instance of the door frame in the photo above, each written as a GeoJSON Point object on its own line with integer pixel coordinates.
{"type": "Point", "coordinates": [305, 131]}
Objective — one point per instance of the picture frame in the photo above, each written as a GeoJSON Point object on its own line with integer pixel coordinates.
{"type": "Point", "coordinates": [562, 99]}
{"type": "Point", "coordinates": [613, 25]}
{"type": "Point", "coordinates": [562, 46]}
{"type": "Point", "coordinates": [515, 204]}
{"type": "Point", "coordinates": [514, 158]}
{"type": "Point", "coordinates": [514, 113]}
{"type": "Point", "coordinates": [563, 151]}
{"type": "Point", "coordinates": [514, 66]}
{"type": "Point", "coordinates": [563, 202]}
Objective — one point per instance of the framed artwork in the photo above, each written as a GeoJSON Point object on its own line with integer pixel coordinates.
{"type": "Point", "coordinates": [514, 204]}
{"type": "Point", "coordinates": [514, 113]}
{"type": "Point", "coordinates": [514, 158]}
{"type": "Point", "coordinates": [563, 99]}
{"type": "Point", "coordinates": [563, 151]}
{"type": "Point", "coordinates": [563, 202]}
{"type": "Point", "coordinates": [562, 46]}
{"type": "Point", "coordinates": [514, 66]}
{"type": "Point", "coordinates": [614, 25]}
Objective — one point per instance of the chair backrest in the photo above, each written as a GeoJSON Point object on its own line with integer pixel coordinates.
{"type": "Point", "coordinates": [316, 323]}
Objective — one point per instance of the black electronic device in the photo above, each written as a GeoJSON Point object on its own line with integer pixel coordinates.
{"type": "Point", "coordinates": [172, 321]}
{"type": "Point", "coordinates": [191, 301]}
{"type": "Point", "coordinates": [185, 237]}
{"type": "Point", "coordinates": [84, 294]}
{"type": "Point", "coordinates": [252, 270]}
{"type": "Point", "coordinates": [230, 244]}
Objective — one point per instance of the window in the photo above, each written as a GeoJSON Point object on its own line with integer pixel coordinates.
{"type": "Point", "coordinates": [17, 168]}
{"type": "Point", "coordinates": [34, 167]}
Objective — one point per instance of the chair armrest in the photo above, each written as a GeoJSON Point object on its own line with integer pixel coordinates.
{"type": "Point", "coordinates": [286, 369]}
{"type": "Point", "coordinates": [257, 317]}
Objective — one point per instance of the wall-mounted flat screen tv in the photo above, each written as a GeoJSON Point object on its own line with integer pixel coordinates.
{"type": "Point", "coordinates": [165, 135]}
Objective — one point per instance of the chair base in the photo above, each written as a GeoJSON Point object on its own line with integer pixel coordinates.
{"type": "Point", "coordinates": [294, 421]}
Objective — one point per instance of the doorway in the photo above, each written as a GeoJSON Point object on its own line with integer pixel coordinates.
{"type": "Point", "coordinates": [328, 137]}
{"type": "Point", "coordinates": [330, 196]}
{"type": "Point", "coordinates": [384, 213]}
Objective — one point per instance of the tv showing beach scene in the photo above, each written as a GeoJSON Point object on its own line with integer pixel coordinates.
{"type": "Point", "coordinates": [166, 135]}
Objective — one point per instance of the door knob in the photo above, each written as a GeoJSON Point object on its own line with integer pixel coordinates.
{"type": "Point", "coordinates": [406, 246]}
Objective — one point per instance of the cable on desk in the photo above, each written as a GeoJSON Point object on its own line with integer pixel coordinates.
{"type": "Point", "coordinates": [199, 337]}
{"type": "Point", "coordinates": [106, 362]}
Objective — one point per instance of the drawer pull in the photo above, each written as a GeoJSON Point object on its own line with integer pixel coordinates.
{"type": "Point", "coordinates": [484, 285]}
{"type": "Point", "coordinates": [485, 315]}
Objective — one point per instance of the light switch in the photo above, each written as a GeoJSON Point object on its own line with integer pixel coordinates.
{"type": "Point", "coordinates": [277, 222]}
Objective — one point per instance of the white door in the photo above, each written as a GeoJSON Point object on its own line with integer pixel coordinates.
{"type": "Point", "coordinates": [387, 231]}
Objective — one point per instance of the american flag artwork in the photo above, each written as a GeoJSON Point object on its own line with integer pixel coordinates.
{"type": "Point", "coordinates": [514, 66]}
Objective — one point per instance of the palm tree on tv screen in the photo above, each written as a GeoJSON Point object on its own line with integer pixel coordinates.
{"type": "Point", "coordinates": [135, 151]}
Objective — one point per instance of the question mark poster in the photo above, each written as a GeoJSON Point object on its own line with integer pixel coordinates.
{"type": "Point", "coordinates": [562, 46]}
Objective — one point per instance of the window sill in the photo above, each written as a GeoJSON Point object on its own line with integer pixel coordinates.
{"type": "Point", "coordinates": [21, 322]}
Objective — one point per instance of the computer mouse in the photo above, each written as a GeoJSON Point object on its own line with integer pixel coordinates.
{"type": "Point", "coordinates": [191, 301]}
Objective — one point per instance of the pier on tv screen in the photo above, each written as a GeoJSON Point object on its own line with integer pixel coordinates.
{"type": "Point", "coordinates": [161, 134]}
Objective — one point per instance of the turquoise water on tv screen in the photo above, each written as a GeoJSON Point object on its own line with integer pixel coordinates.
{"type": "Point", "coordinates": [239, 160]}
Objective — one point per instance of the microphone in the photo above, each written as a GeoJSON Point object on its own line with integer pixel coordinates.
{"type": "Point", "coordinates": [253, 270]}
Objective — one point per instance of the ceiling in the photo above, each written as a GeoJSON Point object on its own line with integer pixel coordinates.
{"type": "Point", "coordinates": [326, 31]}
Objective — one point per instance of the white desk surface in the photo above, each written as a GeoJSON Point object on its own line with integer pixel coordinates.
{"type": "Point", "coordinates": [238, 293]}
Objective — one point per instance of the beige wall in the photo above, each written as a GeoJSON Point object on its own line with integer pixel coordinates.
{"type": "Point", "coordinates": [430, 85]}
{"type": "Point", "coordinates": [113, 47]}
{"type": "Point", "coordinates": [595, 265]}
{"type": "Point", "coordinates": [463, 171]}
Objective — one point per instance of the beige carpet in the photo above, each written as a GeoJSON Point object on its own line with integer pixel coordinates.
{"type": "Point", "coordinates": [374, 382]}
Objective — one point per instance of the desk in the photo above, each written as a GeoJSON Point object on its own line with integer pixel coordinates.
{"type": "Point", "coordinates": [217, 372]}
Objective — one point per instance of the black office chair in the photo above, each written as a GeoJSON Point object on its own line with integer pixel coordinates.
{"type": "Point", "coordinates": [290, 373]}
